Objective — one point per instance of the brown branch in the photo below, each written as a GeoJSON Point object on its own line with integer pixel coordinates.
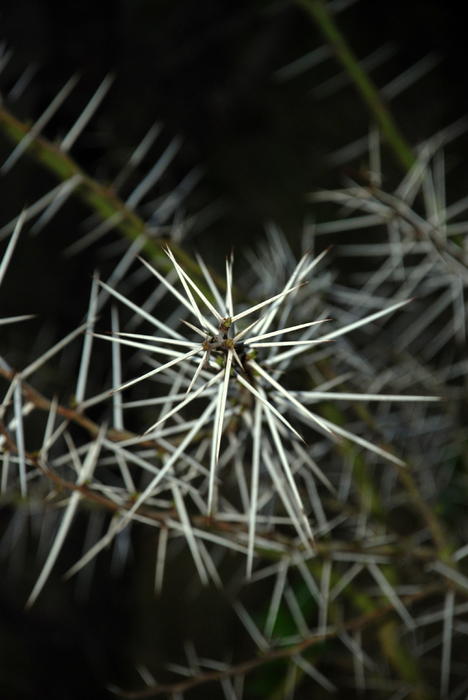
{"type": "Point", "coordinates": [74, 415]}
{"type": "Point", "coordinates": [325, 549]}
{"type": "Point", "coordinates": [353, 625]}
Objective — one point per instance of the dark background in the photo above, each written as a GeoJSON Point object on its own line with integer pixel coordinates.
{"type": "Point", "coordinates": [206, 70]}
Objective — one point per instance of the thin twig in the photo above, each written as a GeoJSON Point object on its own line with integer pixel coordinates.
{"type": "Point", "coordinates": [353, 625]}
{"type": "Point", "coordinates": [364, 85]}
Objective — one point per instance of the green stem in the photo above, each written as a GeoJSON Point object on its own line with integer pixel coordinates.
{"type": "Point", "coordinates": [400, 657]}
{"type": "Point", "coordinates": [366, 88]}
{"type": "Point", "coordinates": [100, 198]}
{"type": "Point", "coordinates": [439, 536]}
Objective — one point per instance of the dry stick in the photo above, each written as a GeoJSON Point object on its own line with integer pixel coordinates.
{"type": "Point", "coordinates": [364, 85]}
{"type": "Point", "coordinates": [326, 549]}
{"type": "Point", "coordinates": [433, 523]}
{"type": "Point", "coordinates": [323, 548]}
{"type": "Point", "coordinates": [71, 414]}
{"type": "Point", "coordinates": [353, 625]}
